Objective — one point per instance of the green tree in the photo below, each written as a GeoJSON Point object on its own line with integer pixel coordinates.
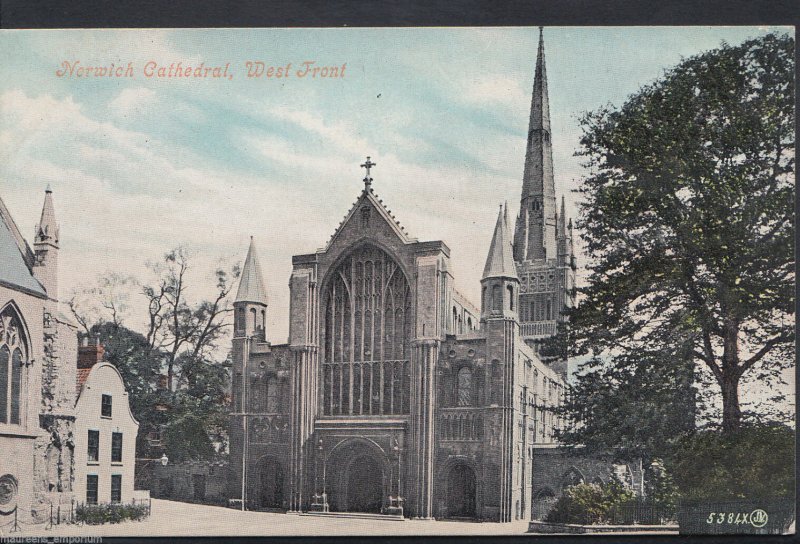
{"type": "Point", "coordinates": [687, 218]}
{"type": "Point", "coordinates": [181, 340]}
{"type": "Point", "coordinates": [756, 462]}
{"type": "Point", "coordinates": [140, 368]}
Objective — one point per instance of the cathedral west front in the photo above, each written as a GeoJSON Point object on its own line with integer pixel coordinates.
{"type": "Point", "coordinates": [395, 395]}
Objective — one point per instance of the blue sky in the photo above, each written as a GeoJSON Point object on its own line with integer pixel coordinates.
{"type": "Point", "coordinates": [139, 166]}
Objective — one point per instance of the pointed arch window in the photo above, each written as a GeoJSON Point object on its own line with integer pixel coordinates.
{"type": "Point", "coordinates": [272, 395]}
{"type": "Point", "coordinates": [13, 360]}
{"type": "Point", "coordinates": [366, 336]}
{"type": "Point", "coordinates": [497, 298]}
{"type": "Point", "coordinates": [464, 387]}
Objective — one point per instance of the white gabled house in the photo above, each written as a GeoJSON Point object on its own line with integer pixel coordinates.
{"type": "Point", "coordinates": [105, 432]}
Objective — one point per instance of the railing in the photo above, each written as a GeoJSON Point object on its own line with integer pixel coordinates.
{"type": "Point", "coordinates": [538, 328]}
{"type": "Point", "coordinates": [635, 512]}
{"type": "Point", "coordinates": [461, 424]}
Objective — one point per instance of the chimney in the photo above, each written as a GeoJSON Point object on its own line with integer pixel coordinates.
{"type": "Point", "coordinates": [90, 352]}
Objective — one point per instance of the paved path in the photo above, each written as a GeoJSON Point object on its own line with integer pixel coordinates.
{"type": "Point", "coordinates": [170, 518]}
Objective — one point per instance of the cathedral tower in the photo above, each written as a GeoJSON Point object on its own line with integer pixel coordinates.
{"type": "Point", "coordinates": [535, 236]}
{"type": "Point", "coordinates": [543, 244]}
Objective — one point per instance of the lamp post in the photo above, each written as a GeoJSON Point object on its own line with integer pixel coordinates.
{"type": "Point", "coordinates": [164, 460]}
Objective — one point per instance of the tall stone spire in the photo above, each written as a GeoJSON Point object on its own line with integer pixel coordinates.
{"type": "Point", "coordinates": [47, 229]}
{"type": "Point", "coordinates": [45, 247]}
{"type": "Point", "coordinates": [251, 284]}
{"type": "Point", "coordinates": [535, 236]}
{"type": "Point", "coordinates": [500, 260]}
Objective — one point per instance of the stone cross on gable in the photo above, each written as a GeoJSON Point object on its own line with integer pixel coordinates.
{"type": "Point", "coordinates": [369, 164]}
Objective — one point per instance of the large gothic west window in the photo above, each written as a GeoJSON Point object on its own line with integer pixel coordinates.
{"type": "Point", "coordinates": [13, 357]}
{"type": "Point", "coordinates": [367, 336]}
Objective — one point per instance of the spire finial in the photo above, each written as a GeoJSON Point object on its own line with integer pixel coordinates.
{"type": "Point", "coordinates": [48, 190]}
{"type": "Point", "coordinates": [368, 165]}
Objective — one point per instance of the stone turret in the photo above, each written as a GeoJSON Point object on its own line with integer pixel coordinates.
{"type": "Point", "coordinates": [46, 246]}
{"type": "Point", "coordinates": [251, 299]}
{"type": "Point", "coordinates": [500, 283]}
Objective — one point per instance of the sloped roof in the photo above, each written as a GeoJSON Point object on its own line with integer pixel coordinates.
{"type": "Point", "coordinates": [500, 261]}
{"type": "Point", "coordinates": [16, 256]}
{"type": "Point", "coordinates": [367, 194]}
{"type": "Point", "coordinates": [251, 284]}
{"type": "Point", "coordinates": [82, 376]}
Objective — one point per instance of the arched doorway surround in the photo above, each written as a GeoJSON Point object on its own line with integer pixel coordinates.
{"type": "Point", "coordinates": [358, 476]}
{"type": "Point", "coordinates": [461, 489]}
{"type": "Point", "coordinates": [271, 483]}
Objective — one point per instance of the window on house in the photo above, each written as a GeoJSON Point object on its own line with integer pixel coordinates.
{"type": "Point", "coordinates": [116, 447]}
{"type": "Point", "coordinates": [94, 446]}
{"type": "Point", "coordinates": [91, 489]}
{"type": "Point", "coordinates": [116, 488]}
{"type": "Point", "coordinates": [105, 409]}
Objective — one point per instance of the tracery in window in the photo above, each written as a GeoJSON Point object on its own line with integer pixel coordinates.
{"type": "Point", "coordinates": [13, 360]}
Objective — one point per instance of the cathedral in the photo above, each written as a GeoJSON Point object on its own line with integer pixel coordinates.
{"type": "Point", "coordinates": [394, 394]}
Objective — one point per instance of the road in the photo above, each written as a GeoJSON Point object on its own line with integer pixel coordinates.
{"type": "Point", "coordinates": [171, 518]}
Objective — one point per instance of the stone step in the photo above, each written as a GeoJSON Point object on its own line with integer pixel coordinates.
{"type": "Point", "coordinates": [357, 515]}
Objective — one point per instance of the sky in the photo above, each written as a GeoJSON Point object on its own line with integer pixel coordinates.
{"type": "Point", "coordinates": [141, 165]}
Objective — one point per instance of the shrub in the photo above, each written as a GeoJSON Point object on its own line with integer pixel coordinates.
{"type": "Point", "coordinates": [589, 503]}
{"type": "Point", "coordinates": [755, 462]}
{"type": "Point", "coordinates": [97, 514]}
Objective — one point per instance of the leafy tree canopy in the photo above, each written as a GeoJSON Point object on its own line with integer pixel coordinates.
{"type": "Point", "coordinates": [687, 217]}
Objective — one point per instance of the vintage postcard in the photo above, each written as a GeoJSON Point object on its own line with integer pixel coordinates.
{"type": "Point", "coordinates": [397, 281]}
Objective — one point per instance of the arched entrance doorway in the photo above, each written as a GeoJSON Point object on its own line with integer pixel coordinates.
{"type": "Point", "coordinates": [270, 490]}
{"type": "Point", "coordinates": [358, 478]}
{"type": "Point", "coordinates": [364, 485]}
{"type": "Point", "coordinates": [461, 491]}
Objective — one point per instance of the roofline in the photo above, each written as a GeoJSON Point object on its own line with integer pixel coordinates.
{"type": "Point", "coordinates": [25, 290]}
{"type": "Point", "coordinates": [101, 364]}
{"type": "Point", "coordinates": [22, 244]}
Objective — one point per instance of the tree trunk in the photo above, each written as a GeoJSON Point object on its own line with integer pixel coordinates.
{"type": "Point", "coordinates": [731, 412]}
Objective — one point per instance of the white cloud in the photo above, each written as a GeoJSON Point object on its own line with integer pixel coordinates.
{"type": "Point", "coordinates": [131, 101]}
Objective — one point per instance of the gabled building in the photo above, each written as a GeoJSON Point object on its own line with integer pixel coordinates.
{"type": "Point", "coordinates": [105, 431]}
{"type": "Point", "coordinates": [38, 347]}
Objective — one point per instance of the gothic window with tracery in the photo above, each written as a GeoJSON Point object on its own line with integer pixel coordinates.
{"type": "Point", "coordinates": [464, 387]}
{"type": "Point", "coordinates": [367, 334]}
{"type": "Point", "coordinates": [13, 358]}
{"type": "Point", "coordinates": [272, 395]}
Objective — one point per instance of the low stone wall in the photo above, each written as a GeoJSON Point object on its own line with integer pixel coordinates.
{"type": "Point", "coordinates": [543, 527]}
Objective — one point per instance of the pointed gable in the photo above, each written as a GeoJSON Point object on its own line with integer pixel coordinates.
{"type": "Point", "coordinates": [500, 261]}
{"type": "Point", "coordinates": [366, 209]}
{"type": "Point", "coordinates": [251, 284]}
{"type": "Point", "coordinates": [16, 257]}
